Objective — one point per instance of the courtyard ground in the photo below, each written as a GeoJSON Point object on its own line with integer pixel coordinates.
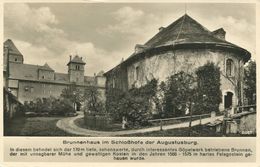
{"type": "Point", "coordinates": [69, 125]}
{"type": "Point", "coordinates": [46, 126]}
{"type": "Point", "coordinates": [35, 126]}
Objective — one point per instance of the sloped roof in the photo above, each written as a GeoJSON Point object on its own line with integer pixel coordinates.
{"type": "Point", "coordinates": [30, 72]}
{"type": "Point", "coordinates": [46, 67]}
{"type": "Point", "coordinates": [12, 48]}
{"type": "Point", "coordinates": [23, 71]}
{"type": "Point", "coordinates": [61, 77]}
{"type": "Point", "coordinates": [77, 59]}
{"type": "Point", "coordinates": [100, 73]}
{"type": "Point", "coordinates": [184, 30]}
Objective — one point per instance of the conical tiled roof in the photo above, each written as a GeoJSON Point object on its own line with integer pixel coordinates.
{"type": "Point", "coordinates": [12, 48]}
{"type": "Point", "coordinates": [184, 30]}
{"type": "Point", "coordinates": [77, 59]}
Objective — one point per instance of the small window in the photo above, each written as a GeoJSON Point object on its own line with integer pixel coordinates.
{"type": "Point", "coordinates": [26, 89]}
{"type": "Point", "coordinates": [15, 59]}
{"type": "Point", "coordinates": [43, 77]}
{"type": "Point", "coordinates": [229, 67]}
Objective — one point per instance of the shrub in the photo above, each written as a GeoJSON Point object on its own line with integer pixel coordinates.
{"type": "Point", "coordinates": [180, 91]}
{"type": "Point", "coordinates": [97, 121]}
{"type": "Point", "coordinates": [209, 93]}
{"type": "Point", "coordinates": [134, 104]}
{"type": "Point", "coordinates": [51, 105]}
{"type": "Point", "coordinates": [250, 82]}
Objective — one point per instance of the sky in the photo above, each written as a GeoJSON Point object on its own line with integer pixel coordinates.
{"type": "Point", "coordinates": [104, 33]}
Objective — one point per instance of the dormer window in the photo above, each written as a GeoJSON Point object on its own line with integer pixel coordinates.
{"type": "Point", "coordinates": [229, 67]}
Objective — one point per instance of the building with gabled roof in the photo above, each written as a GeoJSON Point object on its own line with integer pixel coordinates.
{"type": "Point", "coordinates": [28, 81]}
{"type": "Point", "coordinates": [184, 45]}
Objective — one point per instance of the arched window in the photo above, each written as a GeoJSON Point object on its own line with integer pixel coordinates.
{"type": "Point", "coordinates": [229, 67]}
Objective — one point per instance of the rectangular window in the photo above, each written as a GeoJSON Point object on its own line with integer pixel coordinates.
{"type": "Point", "coordinates": [229, 67]}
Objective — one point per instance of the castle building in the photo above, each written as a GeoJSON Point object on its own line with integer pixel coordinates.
{"type": "Point", "coordinates": [28, 82]}
{"type": "Point", "coordinates": [184, 45]}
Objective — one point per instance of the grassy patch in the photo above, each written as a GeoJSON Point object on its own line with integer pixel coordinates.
{"type": "Point", "coordinates": [112, 127]}
{"type": "Point", "coordinates": [35, 126]}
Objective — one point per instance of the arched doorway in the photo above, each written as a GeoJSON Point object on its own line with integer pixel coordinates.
{"type": "Point", "coordinates": [78, 106]}
{"type": "Point", "coordinates": [228, 99]}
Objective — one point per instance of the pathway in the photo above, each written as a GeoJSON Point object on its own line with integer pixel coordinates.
{"type": "Point", "coordinates": [68, 125]}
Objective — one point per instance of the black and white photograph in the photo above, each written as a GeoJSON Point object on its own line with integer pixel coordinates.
{"type": "Point", "coordinates": [129, 69]}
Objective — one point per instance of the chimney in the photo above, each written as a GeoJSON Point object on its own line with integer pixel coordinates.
{"type": "Point", "coordinates": [161, 28]}
{"type": "Point", "coordinates": [81, 58]}
{"type": "Point", "coordinates": [139, 48]}
{"type": "Point", "coordinates": [219, 33]}
{"type": "Point", "coordinates": [70, 57]}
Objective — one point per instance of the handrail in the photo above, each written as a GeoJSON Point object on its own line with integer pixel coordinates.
{"type": "Point", "coordinates": [252, 105]}
{"type": "Point", "coordinates": [166, 119]}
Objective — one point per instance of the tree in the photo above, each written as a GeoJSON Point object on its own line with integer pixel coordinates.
{"type": "Point", "coordinates": [179, 94]}
{"type": "Point", "coordinates": [209, 93]}
{"type": "Point", "coordinates": [93, 100]}
{"type": "Point", "coordinates": [159, 99]}
{"type": "Point", "coordinates": [72, 94]}
{"type": "Point", "coordinates": [250, 82]}
{"type": "Point", "coordinates": [113, 97]}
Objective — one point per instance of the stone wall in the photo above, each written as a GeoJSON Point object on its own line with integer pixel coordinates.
{"type": "Point", "coordinates": [31, 90]}
{"type": "Point", "coordinates": [117, 78]}
{"type": "Point", "coordinates": [15, 58]}
{"type": "Point", "coordinates": [162, 65]}
{"type": "Point", "coordinates": [76, 75]}
{"type": "Point", "coordinates": [46, 75]}
{"type": "Point", "coordinates": [247, 124]}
